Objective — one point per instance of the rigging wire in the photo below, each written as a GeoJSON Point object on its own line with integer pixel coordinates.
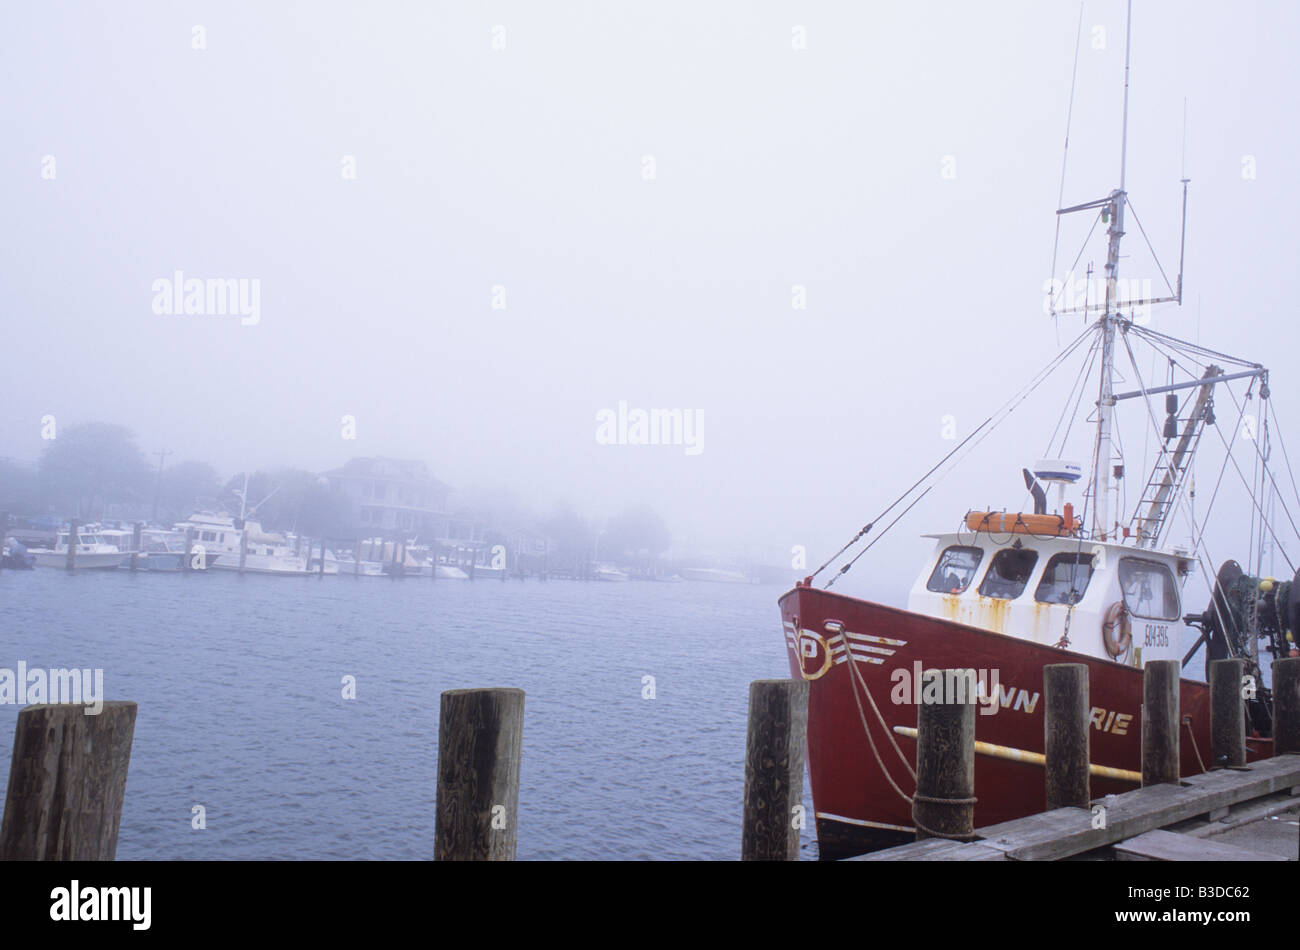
{"type": "Point", "coordinates": [1084, 370]}
{"type": "Point", "coordinates": [1242, 407]}
{"type": "Point", "coordinates": [1182, 346]}
{"type": "Point", "coordinates": [992, 422]}
{"type": "Point", "coordinates": [844, 570]}
{"type": "Point", "coordinates": [1255, 503]}
{"type": "Point", "coordinates": [1083, 247]}
{"type": "Point", "coordinates": [1096, 352]}
{"type": "Point", "coordinates": [1219, 481]}
{"type": "Point", "coordinates": [1277, 491]}
{"type": "Point", "coordinates": [1285, 456]}
{"type": "Point", "coordinates": [1065, 152]}
{"type": "Point", "coordinates": [1155, 257]}
{"type": "Point", "coordinates": [1250, 544]}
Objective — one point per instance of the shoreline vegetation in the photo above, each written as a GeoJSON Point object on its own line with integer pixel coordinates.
{"type": "Point", "coordinates": [394, 512]}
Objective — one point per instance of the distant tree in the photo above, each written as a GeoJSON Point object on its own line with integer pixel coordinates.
{"type": "Point", "coordinates": [92, 464]}
{"type": "Point", "coordinates": [20, 489]}
{"type": "Point", "coordinates": [574, 539]}
{"type": "Point", "coordinates": [636, 534]}
{"type": "Point", "coordinates": [184, 488]}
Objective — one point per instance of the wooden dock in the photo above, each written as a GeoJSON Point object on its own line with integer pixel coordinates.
{"type": "Point", "coordinates": [1160, 822]}
{"type": "Point", "coordinates": [1168, 818]}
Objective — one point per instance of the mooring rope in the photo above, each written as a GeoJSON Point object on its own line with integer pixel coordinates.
{"type": "Point", "coordinates": [1199, 761]}
{"type": "Point", "coordinates": [855, 678]}
{"type": "Point", "coordinates": [944, 801]}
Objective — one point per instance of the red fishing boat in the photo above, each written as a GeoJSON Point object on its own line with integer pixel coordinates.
{"type": "Point", "coordinates": [1010, 592]}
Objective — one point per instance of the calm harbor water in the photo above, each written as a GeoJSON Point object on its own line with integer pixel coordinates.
{"type": "Point", "coordinates": [239, 685]}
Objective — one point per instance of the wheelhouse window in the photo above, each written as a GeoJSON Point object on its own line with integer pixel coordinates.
{"type": "Point", "coordinates": [1149, 589]}
{"type": "Point", "coordinates": [955, 570]}
{"type": "Point", "coordinates": [1009, 573]}
{"type": "Point", "coordinates": [1065, 579]}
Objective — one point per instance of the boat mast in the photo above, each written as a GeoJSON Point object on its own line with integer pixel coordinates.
{"type": "Point", "coordinates": [1101, 526]}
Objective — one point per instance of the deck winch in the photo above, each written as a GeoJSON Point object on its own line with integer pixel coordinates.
{"type": "Point", "coordinates": [1243, 610]}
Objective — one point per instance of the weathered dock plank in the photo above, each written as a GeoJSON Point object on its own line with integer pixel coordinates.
{"type": "Point", "coordinates": [1238, 815]}
{"type": "Point", "coordinates": [936, 849]}
{"type": "Point", "coordinates": [1162, 845]}
{"type": "Point", "coordinates": [1067, 832]}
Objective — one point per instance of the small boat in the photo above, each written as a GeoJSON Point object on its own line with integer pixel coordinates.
{"type": "Point", "coordinates": [92, 551]}
{"type": "Point", "coordinates": [244, 546]}
{"type": "Point", "coordinates": [164, 550]}
{"type": "Point", "coordinates": [375, 557]}
{"type": "Point", "coordinates": [13, 555]}
{"type": "Point", "coordinates": [488, 572]}
{"type": "Point", "coordinates": [607, 572]}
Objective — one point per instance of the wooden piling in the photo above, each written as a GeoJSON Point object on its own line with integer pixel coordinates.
{"type": "Point", "coordinates": [322, 557]}
{"type": "Point", "coordinates": [243, 546]}
{"type": "Point", "coordinates": [1286, 706]}
{"type": "Point", "coordinates": [944, 804]}
{"type": "Point", "coordinates": [137, 534]}
{"type": "Point", "coordinates": [480, 741]}
{"type": "Point", "coordinates": [1227, 713]}
{"type": "Point", "coordinates": [66, 783]}
{"type": "Point", "coordinates": [774, 757]}
{"type": "Point", "coordinates": [1066, 740]}
{"type": "Point", "coordinates": [4, 534]}
{"type": "Point", "coordinates": [188, 564]}
{"type": "Point", "coordinates": [71, 562]}
{"type": "Point", "coordinates": [356, 559]}
{"type": "Point", "coordinates": [1160, 721]}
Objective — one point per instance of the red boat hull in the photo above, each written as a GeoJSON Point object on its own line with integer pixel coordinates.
{"type": "Point", "coordinates": [856, 808]}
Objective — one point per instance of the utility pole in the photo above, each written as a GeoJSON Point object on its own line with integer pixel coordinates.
{"type": "Point", "coordinates": [157, 485]}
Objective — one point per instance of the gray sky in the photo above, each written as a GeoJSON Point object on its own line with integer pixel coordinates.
{"type": "Point", "coordinates": [523, 168]}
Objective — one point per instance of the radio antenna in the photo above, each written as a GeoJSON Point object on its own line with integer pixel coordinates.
{"type": "Point", "coordinates": [1182, 240]}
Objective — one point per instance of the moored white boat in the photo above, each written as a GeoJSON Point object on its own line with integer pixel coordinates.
{"type": "Point", "coordinates": [247, 549]}
{"type": "Point", "coordinates": [164, 550]}
{"type": "Point", "coordinates": [92, 552]}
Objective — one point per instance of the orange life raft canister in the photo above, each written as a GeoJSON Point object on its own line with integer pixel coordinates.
{"type": "Point", "coordinates": [1008, 522]}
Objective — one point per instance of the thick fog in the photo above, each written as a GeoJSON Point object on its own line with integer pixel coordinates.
{"type": "Point", "coordinates": [816, 230]}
